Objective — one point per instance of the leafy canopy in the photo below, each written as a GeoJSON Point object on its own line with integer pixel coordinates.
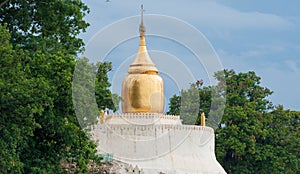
{"type": "Point", "coordinates": [38, 126]}
{"type": "Point", "coordinates": [49, 24]}
{"type": "Point", "coordinates": [253, 136]}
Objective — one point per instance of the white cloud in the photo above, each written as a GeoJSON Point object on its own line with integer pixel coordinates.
{"type": "Point", "coordinates": [281, 76]}
{"type": "Point", "coordinates": [292, 65]}
{"type": "Point", "coordinates": [207, 13]}
{"type": "Point", "coordinates": [216, 15]}
{"type": "Point", "coordinates": [221, 21]}
{"type": "Point", "coordinates": [285, 84]}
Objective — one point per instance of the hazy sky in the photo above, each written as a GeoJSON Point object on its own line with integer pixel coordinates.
{"type": "Point", "coordinates": [248, 35]}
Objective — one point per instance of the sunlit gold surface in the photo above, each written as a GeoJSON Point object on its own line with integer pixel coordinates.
{"type": "Point", "coordinates": [142, 88]}
{"type": "Point", "coordinates": [101, 116]}
{"type": "Point", "coordinates": [202, 119]}
{"type": "Point", "coordinates": [142, 63]}
{"type": "Point", "coordinates": [143, 93]}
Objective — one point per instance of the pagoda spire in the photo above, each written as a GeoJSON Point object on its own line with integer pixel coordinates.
{"type": "Point", "coordinates": [142, 88]}
{"type": "Point", "coordinates": [142, 27]}
{"type": "Point", "coordinates": [142, 62]}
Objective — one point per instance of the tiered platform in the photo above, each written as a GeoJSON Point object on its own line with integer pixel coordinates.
{"type": "Point", "coordinates": [158, 143]}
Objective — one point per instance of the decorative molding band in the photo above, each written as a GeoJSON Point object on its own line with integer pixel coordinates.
{"type": "Point", "coordinates": [143, 116]}
{"type": "Point", "coordinates": [121, 127]}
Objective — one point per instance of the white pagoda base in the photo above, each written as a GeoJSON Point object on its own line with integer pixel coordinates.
{"type": "Point", "coordinates": [158, 143]}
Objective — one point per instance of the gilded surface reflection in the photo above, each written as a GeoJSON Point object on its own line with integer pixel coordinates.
{"type": "Point", "coordinates": [142, 88]}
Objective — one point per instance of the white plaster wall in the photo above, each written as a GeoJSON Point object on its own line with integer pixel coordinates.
{"type": "Point", "coordinates": [167, 148]}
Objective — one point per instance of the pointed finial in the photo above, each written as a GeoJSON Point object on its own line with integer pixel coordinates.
{"type": "Point", "coordinates": [142, 12]}
{"type": "Point", "coordinates": [142, 27]}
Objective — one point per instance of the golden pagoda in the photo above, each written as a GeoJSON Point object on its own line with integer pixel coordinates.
{"type": "Point", "coordinates": [144, 137]}
{"type": "Point", "coordinates": [142, 88]}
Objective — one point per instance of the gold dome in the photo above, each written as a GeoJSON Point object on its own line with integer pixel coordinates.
{"type": "Point", "coordinates": [142, 88]}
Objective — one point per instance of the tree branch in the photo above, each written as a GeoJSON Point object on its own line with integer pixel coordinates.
{"type": "Point", "coordinates": [4, 2]}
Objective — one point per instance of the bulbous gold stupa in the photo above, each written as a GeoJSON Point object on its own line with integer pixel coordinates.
{"type": "Point", "coordinates": [142, 88]}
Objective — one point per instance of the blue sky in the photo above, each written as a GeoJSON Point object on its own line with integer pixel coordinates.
{"type": "Point", "coordinates": [248, 35]}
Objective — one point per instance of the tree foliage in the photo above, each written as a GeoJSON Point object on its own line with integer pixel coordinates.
{"type": "Point", "coordinates": [190, 103]}
{"type": "Point", "coordinates": [38, 126]}
{"type": "Point", "coordinates": [49, 25]}
{"type": "Point", "coordinates": [254, 136]}
{"type": "Point", "coordinates": [91, 91]}
{"type": "Point", "coordinates": [104, 98]}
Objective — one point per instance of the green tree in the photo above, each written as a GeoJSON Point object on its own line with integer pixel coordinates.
{"type": "Point", "coordinates": [195, 100]}
{"type": "Point", "coordinates": [187, 105]}
{"type": "Point", "coordinates": [38, 126]}
{"type": "Point", "coordinates": [45, 25]}
{"type": "Point", "coordinates": [17, 106]}
{"type": "Point", "coordinates": [253, 136]}
{"type": "Point", "coordinates": [104, 97]}
{"type": "Point", "coordinates": [91, 91]}
{"type": "Point", "coordinates": [174, 105]}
